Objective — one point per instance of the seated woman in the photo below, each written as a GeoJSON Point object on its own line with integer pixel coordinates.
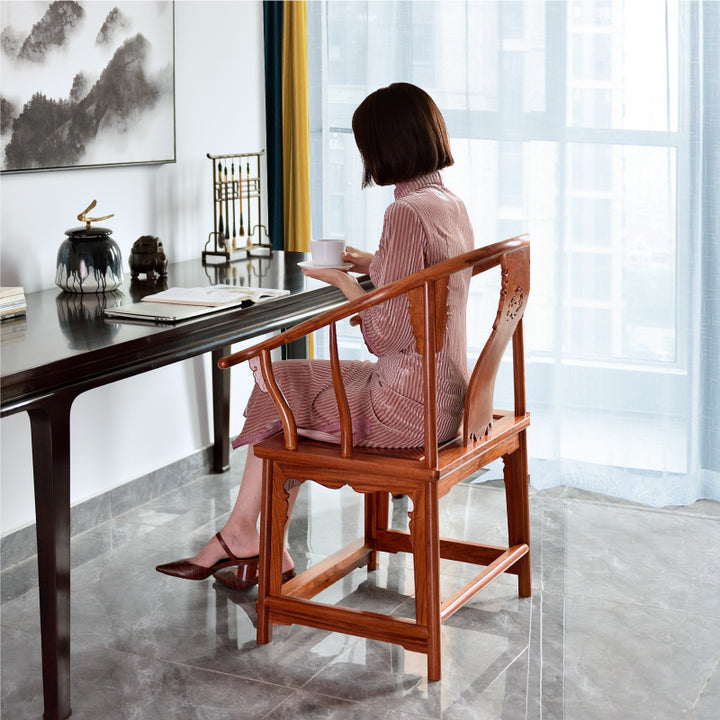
{"type": "Point", "coordinates": [403, 141]}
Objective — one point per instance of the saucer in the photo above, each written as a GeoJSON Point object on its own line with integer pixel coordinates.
{"type": "Point", "coordinates": [311, 264]}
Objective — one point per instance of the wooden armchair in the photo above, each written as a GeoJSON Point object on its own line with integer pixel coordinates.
{"type": "Point", "coordinates": [425, 474]}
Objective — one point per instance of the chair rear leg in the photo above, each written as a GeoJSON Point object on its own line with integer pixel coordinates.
{"type": "Point", "coordinates": [376, 518]}
{"type": "Point", "coordinates": [515, 472]}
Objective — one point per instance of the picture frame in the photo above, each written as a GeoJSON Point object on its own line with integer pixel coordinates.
{"type": "Point", "coordinates": [86, 84]}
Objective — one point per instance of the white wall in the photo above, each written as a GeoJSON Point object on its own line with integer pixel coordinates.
{"type": "Point", "coordinates": [164, 415]}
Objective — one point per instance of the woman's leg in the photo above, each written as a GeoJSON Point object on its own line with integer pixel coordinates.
{"type": "Point", "coordinates": [240, 531]}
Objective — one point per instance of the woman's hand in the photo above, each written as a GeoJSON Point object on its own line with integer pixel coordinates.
{"type": "Point", "coordinates": [332, 276]}
{"type": "Point", "coordinates": [359, 259]}
{"type": "Point", "coordinates": [348, 284]}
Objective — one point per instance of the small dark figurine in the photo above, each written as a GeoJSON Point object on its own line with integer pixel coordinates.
{"type": "Point", "coordinates": [147, 256]}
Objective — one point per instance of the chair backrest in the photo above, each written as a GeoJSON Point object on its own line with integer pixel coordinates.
{"type": "Point", "coordinates": [427, 294]}
{"type": "Point", "coordinates": [514, 291]}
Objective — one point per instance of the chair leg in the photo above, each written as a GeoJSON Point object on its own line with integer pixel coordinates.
{"type": "Point", "coordinates": [371, 512]}
{"type": "Point", "coordinates": [376, 519]}
{"type": "Point", "coordinates": [264, 628]}
{"type": "Point", "coordinates": [425, 539]}
{"type": "Point", "coordinates": [383, 516]}
{"type": "Point", "coordinates": [273, 519]}
{"type": "Point", "coordinates": [515, 473]}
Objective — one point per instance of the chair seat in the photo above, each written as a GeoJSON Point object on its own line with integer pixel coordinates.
{"type": "Point", "coordinates": [406, 464]}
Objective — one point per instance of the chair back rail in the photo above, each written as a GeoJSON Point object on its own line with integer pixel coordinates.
{"type": "Point", "coordinates": [417, 313]}
{"type": "Point", "coordinates": [430, 348]}
{"type": "Point", "coordinates": [480, 260]}
{"type": "Point", "coordinates": [427, 292]}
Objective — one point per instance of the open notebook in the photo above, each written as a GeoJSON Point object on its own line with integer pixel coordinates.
{"type": "Point", "coordinates": [175, 304]}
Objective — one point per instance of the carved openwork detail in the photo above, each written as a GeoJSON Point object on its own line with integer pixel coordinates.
{"type": "Point", "coordinates": [503, 294]}
{"type": "Point", "coordinates": [483, 434]}
{"type": "Point", "coordinates": [515, 304]}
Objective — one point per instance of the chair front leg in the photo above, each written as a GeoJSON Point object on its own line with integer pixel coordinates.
{"type": "Point", "coordinates": [264, 628]}
{"type": "Point", "coordinates": [425, 539]}
{"type": "Point", "coordinates": [273, 519]}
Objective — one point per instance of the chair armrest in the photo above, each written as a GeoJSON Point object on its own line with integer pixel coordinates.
{"type": "Point", "coordinates": [427, 295]}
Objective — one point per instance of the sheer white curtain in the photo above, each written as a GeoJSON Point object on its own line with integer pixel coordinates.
{"type": "Point", "coordinates": [590, 125]}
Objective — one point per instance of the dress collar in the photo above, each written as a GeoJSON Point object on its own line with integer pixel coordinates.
{"type": "Point", "coordinates": [423, 181]}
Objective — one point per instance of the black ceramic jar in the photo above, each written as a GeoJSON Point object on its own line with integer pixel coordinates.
{"type": "Point", "coordinates": [89, 261]}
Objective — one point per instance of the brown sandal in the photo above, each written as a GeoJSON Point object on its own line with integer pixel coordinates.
{"type": "Point", "coordinates": [192, 571]}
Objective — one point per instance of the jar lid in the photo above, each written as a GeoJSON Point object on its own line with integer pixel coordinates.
{"type": "Point", "coordinates": [88, 231]}
{"type": "Point", "coordinates": [83, 232]}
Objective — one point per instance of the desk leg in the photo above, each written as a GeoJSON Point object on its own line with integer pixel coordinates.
{"type": "Point", "coordinates": [296, 350]}
{"type": "Point", "coordinates": [221, 412]}
{"type": "Point", "coordinates": [50, 430]}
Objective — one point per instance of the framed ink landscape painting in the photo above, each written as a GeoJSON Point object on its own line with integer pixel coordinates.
{"type": "Point", "coordinates": [86, 84]}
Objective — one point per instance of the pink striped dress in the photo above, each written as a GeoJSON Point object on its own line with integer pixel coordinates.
{"type": "Point", "coordinates": [424, 225]}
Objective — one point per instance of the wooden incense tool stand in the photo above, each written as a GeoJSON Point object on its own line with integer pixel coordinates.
{"type": "Point", "coordinates": [238, 230]}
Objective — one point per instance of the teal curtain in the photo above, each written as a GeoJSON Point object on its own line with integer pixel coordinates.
{"type": "Point", "coordinates": [273, 32]}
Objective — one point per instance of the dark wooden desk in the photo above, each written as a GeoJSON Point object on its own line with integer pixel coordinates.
{"type": "Point", "coordinates": [64, 347]}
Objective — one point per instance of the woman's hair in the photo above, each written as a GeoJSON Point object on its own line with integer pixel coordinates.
{"type": "Point", "coordinates": [401, 135]}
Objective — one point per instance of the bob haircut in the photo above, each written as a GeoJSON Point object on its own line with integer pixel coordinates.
{"type": "Point", "coordinates": [401, 134]}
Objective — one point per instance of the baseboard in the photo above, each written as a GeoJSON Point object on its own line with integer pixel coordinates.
{"type": "Point", "coordinates": [21, 544]}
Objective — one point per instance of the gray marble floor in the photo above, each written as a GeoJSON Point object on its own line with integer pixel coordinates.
{"type": "Point", "coordinates": [623, 624]}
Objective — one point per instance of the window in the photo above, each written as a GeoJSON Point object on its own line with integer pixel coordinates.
{"type": "Point", "coordinates": [567, 122]}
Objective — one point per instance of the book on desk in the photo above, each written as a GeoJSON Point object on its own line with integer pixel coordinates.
{"type": "Point", "coordinates": [176, 304]}
{"type": "Point", "coordinates": [12, 303]}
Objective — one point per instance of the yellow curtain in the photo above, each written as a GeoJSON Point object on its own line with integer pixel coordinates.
{"type": "Point", "coordinates": [296, 127]}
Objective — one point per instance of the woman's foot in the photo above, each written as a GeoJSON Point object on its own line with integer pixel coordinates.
{"type": "Point", "coordinates": [191, 569]}
{"type": "Point", "coordinates": [242, 546]}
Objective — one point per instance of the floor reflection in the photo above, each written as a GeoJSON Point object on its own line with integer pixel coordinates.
{"type": "Point", "coordinates": [622, 622]}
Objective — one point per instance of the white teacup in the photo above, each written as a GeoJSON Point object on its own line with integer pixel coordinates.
{"type": "Point", "coordinates": [327, 252]}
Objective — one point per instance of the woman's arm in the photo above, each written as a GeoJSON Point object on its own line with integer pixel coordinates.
{"type": "Point", "coordinates": [401, 252]}
{"type": "Point", "coordinates": [347, 284]}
